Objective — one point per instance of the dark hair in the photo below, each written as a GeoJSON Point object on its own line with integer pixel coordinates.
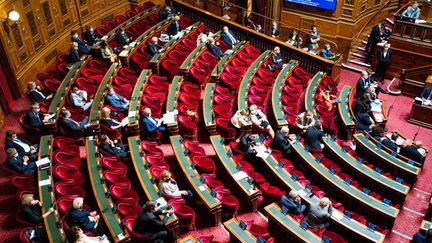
{"type": "Point", "coordinates": [206, 31]}
{"type": "Point", "coordinates": [394, 136]}
{"type": "Point", "coordinates": [149, 205]}
{"type": "Point", "coordinates": [9, 133]}
{"type": "Point", "coordinates": [73, 32]}
{"type": "Point", "coordinates": [317, 125]}
{"type": "Point", "coordinates": [103, 44]}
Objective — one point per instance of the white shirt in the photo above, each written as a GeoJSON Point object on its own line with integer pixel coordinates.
{"type": "Point", "coordinates": [23, 145]}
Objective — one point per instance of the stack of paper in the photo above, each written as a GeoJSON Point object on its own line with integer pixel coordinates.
{"type": "Point", "coordinates": [42, 162]}
{"type": "Point", "coordinates": [240, 175]}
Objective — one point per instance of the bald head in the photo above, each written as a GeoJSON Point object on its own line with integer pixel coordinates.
{"type": "Point", "coordinates": [284, 130]}
{"type": "Point", "coordinates": [418, 144]}
{"type": "Point", "coordinates": [176, 18]}
{"type": "Point", "coordinates": [147, 111]}
{"type": "Point", "coordinates": [154, 39]}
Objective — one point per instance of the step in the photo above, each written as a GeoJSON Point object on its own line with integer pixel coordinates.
{"type": "Point", "coordinates": [354, 67]}
{"type": "Point", "coordinates": [361, 48]}
{"type": "Point", "coordinates": [360, 55]}
{"type": "Point", "coordinates": [364, 42]}
{"type": "Point", "coordinates": [359, 62]}
{"type": "Point", "coordinates": [390, 21]}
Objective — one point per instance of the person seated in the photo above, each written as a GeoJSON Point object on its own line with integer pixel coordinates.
{"type": "Point", "coordinates": [327, 53]}
{"type": "Point", "coordinates": [326, 99]}
{"type": "Point", "coordinates": [69, 123]}
{"type": "Point", "coordinates": [305, 120]}
{"type": "Point", "coordinates": [90, 35]}
{"type": "Point", "coordinates": [31, 210]}
{"type": "Point", "coordinates": [240, 119]}
{"type": "Point", "coordinates": [362, 103]}
{"type": "Point", "coordinates": [20, 164]}
{"type": "Point", "coordinates": [318, 214]}
{"type": "Point", "coordinates": [78, 236]}
{"type": "Point", "coordinates": [153, 47]}
{"type": "Point", "coordinates": [168, 12]}
{"type": "Point", "coordinates": [23, 147]}
{"type": "Point", "coordinates": [421, 237]}
{"type": "Point", "coordinates": [247, 144]}
{"type": "Point", "coordinates": [204, 36]}
{"type": "Point", "coordinates": [170, 188]}
{"type": "Point", "coordinates": [250, 23]}
{"type": "Point", "coordinates": [275, 30]}
{"type": "Point", "coordinates": [277, 57]}
{"type": "Point", "coordinates": [314, 38]}
{"type": "Point", "coordinates": [151, 124]}
{"type": "Point", "coordinates": [149, 223]}
{"type": "Point", "coordinates": [411, 151]}
{"type": "Point", "coordinates": [281, 141]}
{"type": "Point", "coordinates": [82, 45]}
{"type": "Point", "coordinates": [115, 100]}
{"type": "Point", "coordinates": [294, 39]}
{"type": "Point", "coordinates": [293, 203]}
{"type": "Point", "coordinates": [113, 147]}
{"type": "Point", "coordinates": [79, 98]}
{"type": "Point", "coordinates": [122, 38]}
{"type": "Point", "coordinates": [214, 49]}
{"type": "Point", "coordinates": [107, 53]}
{"type": "Point", "coordinates": [73, 55]}
{"type": "Point", "coordinates": [259, 119]}
{"type": "Point", "coordinates": [391, 142]}
{"type": "Point", "coordinates": [364, 121]}
{"type": "Point", "coordinates": [174, 28]}
{"type": "Point", "coordinates": [228, 37]}
{"type": "Point", "coordinates": [108, 121]}
{"type": "Point", "coordinates": [313, 137]}
{"type": "Point", "coordinates": [377, 132]}
{"type": "Point", "coordinates": [426, 96]}
{"type": "Point", "coordinates": [79, 216]}
{"type": "Point", "coordinates": [35, 118]}
{"type": "Point", "coordinates": [35, 93]}
{"type": "Point", "coordinates": [412, 11]}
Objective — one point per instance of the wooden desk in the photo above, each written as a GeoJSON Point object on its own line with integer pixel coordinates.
{"type": "Point", "coordinates": [249, 191]}
{"type": "Point", "coordinates": [202, 191]}
{"type": "Point", "coordinates": [188, 239]}
{"type": "Point", "coordinates": [171, 103]}
{"type": "Point", "coordinates": [310, 92]}
{"type": "Point", "coordinates": [345, 113]}
{"type": "Point", "coordinates": [112, 220]}
{"type": "Point", "coordinates": [225, 60]}
{"type": "Point", "coordinates": [207, 107]}
{"type": "Point", "coordinates": [421, 115]}
{"type": "Point", "coordinates": [135, 102]}
{"type": "Point", "coordinates": [238, 234]}
{"type": "Point", "coordinates": [276, 95]}
{"type": "Point", "coordinates": [52, 224]}
{"type": "Point", "coordinates": [289, 225]}
{"type": "Point", "coordinates": [426, 11]}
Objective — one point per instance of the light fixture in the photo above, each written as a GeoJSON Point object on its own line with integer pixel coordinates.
{"type": "Point", "coordinates": [13, 16]}
{"type": "Point", "coordinates": [10, 21]}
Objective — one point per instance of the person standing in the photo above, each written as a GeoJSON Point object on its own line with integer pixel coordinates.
{"type": "Point", "coordinates": [384, 58]}
{"type": "Point", "coordinates": [374, 39]}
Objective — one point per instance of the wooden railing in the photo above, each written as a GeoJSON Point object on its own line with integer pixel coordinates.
{"type": "Point", "coordinates": [412, 80]}
{"type": "Point", "coordinates": [311, 62]}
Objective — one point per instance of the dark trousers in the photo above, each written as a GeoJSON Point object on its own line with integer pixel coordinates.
{"type": "Point", "coordinates": [189, 198]}
{"type": "Point", "coordinates": [370, 49]}
{"type": "Point", "coordinates": [160, 237]}
{"type": "Point", "coordinates": [381, 70]}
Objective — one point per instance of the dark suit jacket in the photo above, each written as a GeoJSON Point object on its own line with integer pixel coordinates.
{"type": "Point", "coordinates": [71, 125]}
{"type": "Point", "coordinates": [17, 165]}
{"type": "Point", "coordinates": [122, 39]}
{"type": "Point", "coordinates": [118, 149]}
{"type": "Point", "coordinates": [426, 93]}
{"type": "Point", "coordinates": [275, 32]}
{"type": "Point", "coordinates": [166, 13]}
{"type": "Point", "coordinates": [363, 121]}
{"type": "Point", "coordinates": [80, 218]}
{"type": "Point", "coordinates": [82, 45]}
{"type": "Point", "coordinates": [227, 40]}
{"type": "Point", "coordinates": [215, 50]}
{"type": "Point", "coordinates": [358, 106]}
{"type": "Point", "coordinates": [32, 213]}
{"type": "Point", "coordinates": [148, 223]}
{"type": "Point", "coordinates": [172, 28]}
{"type": "Point", "coordinates": [149, 126]}
{"type": "Point", "coordinates": [386, 59]}
{"type": "Point", "coordinates": [34, 120]}
{"type": "Point", "coordinates": [361, 87]}
{"type": "Point", "coordinates": [420, 237]}
{"type": "Point", "coordinates": [292, 206]}
{"type": "Point", "coordinates": [152, 48]}
{"type": "Point", "coordinates": [243, 145]}
{"type": "Point", "coordinates": [19, 149]}
{"type": "Point", "coordinates": [280, 142]}
{"type": "Point", "coordinates": [313, 137]}
{"type": "Point", "coordinates": [375, 34]}
{"type": "Point", "coordinates": [91, 37]}
{"type": "Point", "coordinates": [73, 55]}
{"type": "Point", "coordinates": [35, 96]}
{"type": "Point", "coordinates": [412, 153]}
{"type": "Point", "coordinates": [275, 58]}
{"type": "Point", "coordinates": [390, 144]}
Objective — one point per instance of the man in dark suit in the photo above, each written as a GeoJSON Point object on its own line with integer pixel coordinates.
{"type": "Point", "coordinates": [426, 94]}
{"type": "Point", "coordinates": [362, 85]}
{"type": "Point", "coordinates": [151, 124]}
{"type": "Point", "coordinates": [384, 58]}
{"type": "Point", "coordinates": [112, 147]}
{"type": "Point", "coordinates": [280, 141]}
{"type": "Point", "coordinates": [82, 45]}
{"type": "Point", "coordinates": [77, 215]}
{"type": "Point", "coordinates": [23, 147]}
{"type": "Point", "coordinates": [73, 55]}
{"type": "Point", "coordinates": [374, 39]}
{"type": "Point", "coordinates": [313, 137]}
{"type": "Point", "coordinates": [228, 37]}
{"type": "Point", "coordinates": [18, 163]}
{"type": "Point", "coordinates": [69, 123]}
{"type": "Point", "coordinates": [391, 142]}
{"type": "Point", "coordinates": [153, 47]}
{"type": "Point", "coordinates": [246, 144]}
{"type": "Point", "coordinates": [277, 57]}
{"type": "Point", "coordinates": [149, 223]}
{"type": "Point", "coordinates": [168, 12]}
{"type": "Point", "coordinates": [116, 100]}
{"type": "Point", "coordinates": [411, 152]}
{"type": "Point", "coordinates": [275, 31]}
{"type": "Point", "coordinates": [35, 93]}
{"type": "Point", "coordinates": [214, 49]}
{"type": "Point", "coordinates": [293, 203]}
{"type": "Point", "coordinates": [34, 117]}
{"type": "Point", "coordinates": [174, 27]}
{"type": "Point", "coordinates": [122, 38]}
{"type": "Point", "coordinates": [90, 35]}
{"type": "Point", "coordinates": [421, 237]}
{"type": "Point", "coordinates": [364, 121]}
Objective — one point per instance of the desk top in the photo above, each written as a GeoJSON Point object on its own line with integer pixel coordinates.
{"type": "Point", "coordinates": [173, 93]}
{"type": "Point", "coordinates": [344, 106]}
{"type": "Point", "coordinates": [112, 220]}
{"type": "Point", "coordinates": [136, 97]}
{"type": "Point", "coordinates": [188, 239]}
{"type": "Point", "coordinates": [338, 182]}
{"type": "Point", "coordinates": [371, 147]}
{"type": "Point", "coordinates": [278, 111]}
{"type": "Point", "coordinates": [366, 171]}
{"type": "Point", "coordinates": [208, 104]}
{"type": "Point", "coordinates": [247, 78]}
{"type": "Point", "coordinates": [47, 197]}
{"type": "Point", "coordinates": [310, 92]}
{"type": "Point", "coordinates": [425, 225]}
{"type": "Point", "coordinates": [226, 58]}
{"type": "Point", "coordinates": [192, 175]}
{"type": "Point", "coordinates": [241, 235]}
{"type": "Point", "coordinates": [98, 98]}
{"type": "Point", "coordinates": [290, 224]}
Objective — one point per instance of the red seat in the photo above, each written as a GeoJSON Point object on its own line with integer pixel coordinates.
{"type": "Point", "coordinates": [252, 50]}
{"type": "Point", "coordinates": [112, 163]}
{"type": "Point", "coordinates": [116, 178]}
{"type": "Point", "coordinates": [187, 127]}
{"type": "Point", "coordinates": [185, 213]}
{"type": "Point", "coordinates": [62, 68]}
{"type": "Point", "coordinates": [301, 74]}
{"type": "Point", "coordinates": [334, 238]}
{"type": "Point", "coordinates": [21, 181]}
{"type": "Point", "coordinates": [124, 194]}
{"type": "Point", "coordinates": [177, 56]}
{"type": "Point", "coordinates": [258, 231]}
{"type": "Point", "coordinates": [129, 14]}
{"type": "Point", "coordinates": [140, 61]}
{"type": "Point", "coordinates": [188, 99]}
{"type": "Point", "coordinates": [198, 75]}
{"type": "Point", "coordinates": [128, 73]}
{"type": "Point", "coordinates": [208, 57]}
{"type": "Point", "coordinates": [129, 222]}
{"type": "Point", "coordinates": [148, 4]}
{"type": "Point", "coordinates": [73, 163]}
{"type": "Point", "coordinates": [238, 62]}
{"type": "Point", "coordinates": [231, 81]}
{"type": "Point", "coordinates": [126, 209]}
{"type": "Point", "coordinates": [120, 19]}
{"type": "Point", "coordinates": [224, 129]}
{"type": "Point", "coordinates": [204, 64]}
{"type": "Point", "coordinates": [68, 174]}
{"type": "Point", "coordinates": [204, 164]}
{"type": "Point", "coordinates": [138, 9]}
{"type": "Point", "coordinates": [169, 67]}
{"type": "Point", "coordinates": [45, 75]}
{"type": "Point", "coordinates": [230, 205]}
{"type": "Point", "coordinates": [93, 73]}
{"type": "Point", "coordinates": [101, 31]}
{"type": "Point", "coordinates": [271, 193]}
{"type": "Point", "coordinates": [221, 90]}
{"type": "Point", "coordinates": [109, 24]}
{"type": "Point", "coordinates": [28, 129]}
{"type": "Point", "coordinates": [193, 147]}
{"type": "Point", "coordinates": [157, 160]}
{"type": "Point", "coordinates": [151, 148]}
{"type": "Point", "coordinates": [68, 189]}
{"type": "Point", "coordinates": [188, 44]}
{"type": "Point", "coordinates": [95, 63]}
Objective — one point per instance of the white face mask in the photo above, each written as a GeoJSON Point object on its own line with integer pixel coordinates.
{"type": "Point", "coordinates": [37, 110]}
{"type": "Point", "coordinates": [16, 155]}
{"type": "Point", "coordinates": [91, 30]}
{"type": "Point", "coordinates": [226, 31]}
